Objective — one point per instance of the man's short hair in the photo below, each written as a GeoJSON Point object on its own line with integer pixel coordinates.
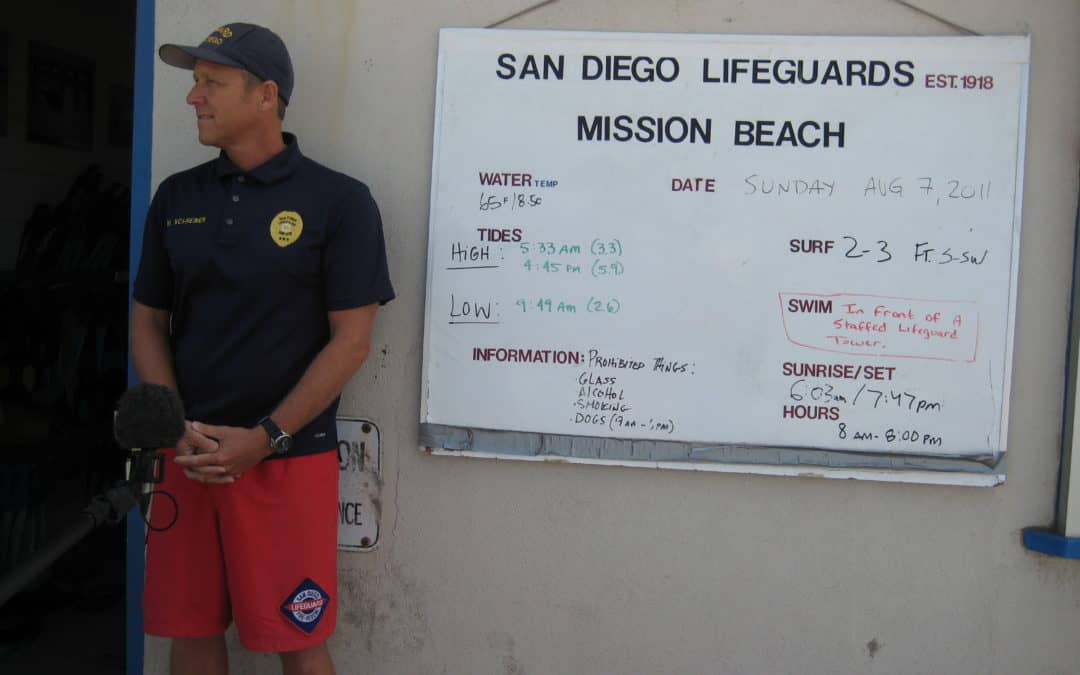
{"type": "Point", "coordinates": [251, 80]}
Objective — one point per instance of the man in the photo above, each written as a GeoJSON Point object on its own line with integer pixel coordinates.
{"type": "Point", "coordinates": [260, 276]}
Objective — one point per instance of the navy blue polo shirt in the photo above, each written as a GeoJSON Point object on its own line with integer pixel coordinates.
{"type": "Point", "coordinates": [248, 263]}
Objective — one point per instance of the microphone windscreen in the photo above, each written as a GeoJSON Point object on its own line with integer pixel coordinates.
{"type": "Point", "coordinates": [149, 416]}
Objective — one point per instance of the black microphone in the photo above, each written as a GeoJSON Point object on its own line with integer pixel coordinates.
{"type": "Point", "coordinates": [148, 416]}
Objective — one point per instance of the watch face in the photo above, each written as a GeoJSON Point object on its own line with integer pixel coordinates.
{"type": "Point", "coordinates": [283, 444]}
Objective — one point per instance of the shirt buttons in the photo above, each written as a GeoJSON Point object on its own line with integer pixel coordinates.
{"type": "Point", "coordinates": [236, 198]}
{"type": "Point", "coordinates": [228, 221]}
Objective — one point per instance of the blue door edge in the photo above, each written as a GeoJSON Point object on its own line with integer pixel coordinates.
{"type": "Point", "coordinates": [141, 154]}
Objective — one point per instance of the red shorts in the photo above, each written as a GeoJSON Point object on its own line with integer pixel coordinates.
{"type": "Point", "coordinates": [261, 551]}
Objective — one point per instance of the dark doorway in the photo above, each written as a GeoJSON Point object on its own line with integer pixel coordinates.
{"type": "Point", "coordinates": [66, 84]}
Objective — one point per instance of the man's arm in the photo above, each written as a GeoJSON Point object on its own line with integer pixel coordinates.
{"type": "Point", "coordinates": [152, 355]}
{"type": "Point", "coordinates": [150, 349]}
{"type": "Point", "coordinates": [240, 448]}
{"type": "Point", "coordinates": [327, 375]}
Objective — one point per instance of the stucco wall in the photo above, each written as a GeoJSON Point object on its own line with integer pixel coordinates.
{"type": "Point", "coordinates": [494, 567]}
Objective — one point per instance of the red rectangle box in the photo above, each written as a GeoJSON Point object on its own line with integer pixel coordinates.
{"type": "Point", "coordinates": [877, 325]}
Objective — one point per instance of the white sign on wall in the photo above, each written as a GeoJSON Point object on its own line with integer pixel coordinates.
{"type": "Point", "coordinates": [359, 459]}
{"type": "Point", "coordinates": [796, 242]}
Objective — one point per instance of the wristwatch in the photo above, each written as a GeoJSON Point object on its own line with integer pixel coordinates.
{"type": "Point", "coordinates": [280, 441]}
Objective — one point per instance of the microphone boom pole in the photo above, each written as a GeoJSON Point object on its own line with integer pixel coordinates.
{"type": "Point", "coordinates": [147, 416]}
{"type": "Point", "coordinates": [109, 507]}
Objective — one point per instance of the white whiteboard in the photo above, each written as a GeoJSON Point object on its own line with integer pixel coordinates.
{"type": "Point", "coordinates": [718, 240]}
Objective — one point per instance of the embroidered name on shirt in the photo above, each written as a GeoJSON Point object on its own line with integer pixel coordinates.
{"type": "Point", "coordinates": [185, 221]}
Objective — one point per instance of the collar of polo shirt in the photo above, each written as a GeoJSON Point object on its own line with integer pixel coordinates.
{"type": "Point", "coordinates": [278, 167]}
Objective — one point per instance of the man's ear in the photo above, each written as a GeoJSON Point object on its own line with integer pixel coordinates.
{"type": "Point", "coordinates": [268, 96]}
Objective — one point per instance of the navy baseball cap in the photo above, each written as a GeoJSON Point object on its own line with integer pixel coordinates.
{"type": "Point", "coordinates": [256, 49]}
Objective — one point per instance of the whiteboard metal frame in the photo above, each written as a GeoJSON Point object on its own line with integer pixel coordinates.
{"type": "Point", "coordinates": [992, 476]}
{"type": "Point", "coordinates": [455, 441]}
{"type": "Point", "coordinates": [914, 477]}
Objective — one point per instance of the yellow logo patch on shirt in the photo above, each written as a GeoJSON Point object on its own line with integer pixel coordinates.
{"type": "Point", "coordinates": [286, 227]}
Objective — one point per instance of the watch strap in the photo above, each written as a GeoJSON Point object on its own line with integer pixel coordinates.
{"type": "Point", "coordinates": [279, 440]}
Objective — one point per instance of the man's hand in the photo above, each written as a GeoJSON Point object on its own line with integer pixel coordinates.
{"type": "Point", "coordinates": [193, 443]}
{"type": "Point", "coordinates": [221, 453]}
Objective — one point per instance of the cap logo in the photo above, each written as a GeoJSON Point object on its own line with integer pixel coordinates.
{"type": "Point", "coordinates": [305, 606]}
{"type": "Point", "coordinates": [223, 31]}
{"type": "Point", "coordinates": [286, 227]}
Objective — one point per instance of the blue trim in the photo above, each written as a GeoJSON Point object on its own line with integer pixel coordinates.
{"type": "Point", "coordinates": [1067, 403]}
{"type": "Point", "coordinates": [1048, 542]}
{"type": "Point", "coordinates": [141, 144]}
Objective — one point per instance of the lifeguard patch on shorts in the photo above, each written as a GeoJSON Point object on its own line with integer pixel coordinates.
{"type": "Point", "coordinates": [305, 606]}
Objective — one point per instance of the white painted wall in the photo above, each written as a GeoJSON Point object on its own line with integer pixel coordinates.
{"type": "Point", "coordinates": [493, 567]}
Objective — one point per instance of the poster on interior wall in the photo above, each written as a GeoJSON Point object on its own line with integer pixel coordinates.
{"type": "Point", "coordinates": [60, 98]}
